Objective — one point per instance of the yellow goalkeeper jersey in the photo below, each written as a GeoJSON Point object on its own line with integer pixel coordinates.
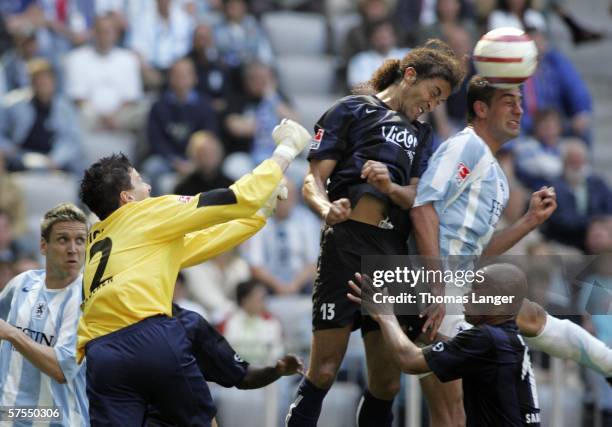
{"type": "Point", "coordinates": [134, 256]}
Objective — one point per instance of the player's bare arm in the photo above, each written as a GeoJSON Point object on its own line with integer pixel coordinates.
{"type": "Point", "coordinates": [541, 206]}
{"type": "Point", "coordinates": [377, 175]}
{"type": "Point", "coordinates": [406, 354]}
{"type": "Point", "coordinates": [315, 194]}
{"type": "Point", "coordinates": [426, 226]}
{"type": "Point", "coordinates": [41, 356]}
{"type": "Point", "coordinates": [288, 365]}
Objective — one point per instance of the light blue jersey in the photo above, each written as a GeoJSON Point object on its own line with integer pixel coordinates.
{"type": "Point", "coordinates": [469, 199]}
{"type": "Point", "coordinates": [50, 317]}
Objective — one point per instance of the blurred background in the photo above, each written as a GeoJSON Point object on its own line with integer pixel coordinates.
{"type": "Point", "coordinates": [191, 89]}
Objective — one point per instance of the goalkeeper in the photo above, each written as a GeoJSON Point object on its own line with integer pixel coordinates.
{"type": "Point", "coordinates": [137, 354]}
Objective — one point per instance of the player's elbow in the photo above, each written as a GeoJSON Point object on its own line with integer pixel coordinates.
{"type": "Point", "coordinates": [59, 377]}
{"type": "Point", "coordinates": [407, 365]}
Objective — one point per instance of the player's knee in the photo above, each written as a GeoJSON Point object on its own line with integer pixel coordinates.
{"type": "Point", "coordinates": [531, 319]}
{"type": "Point", "coordinates": [324, 376]}
{"type": "Point", "coordinates": [384, 389]}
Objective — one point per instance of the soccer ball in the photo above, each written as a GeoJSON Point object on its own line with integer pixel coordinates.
{"type": "Point", "coordinates": [506, 57]}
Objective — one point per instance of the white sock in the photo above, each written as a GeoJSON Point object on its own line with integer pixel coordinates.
{"type": "Point", "coordinates": [566, 340]}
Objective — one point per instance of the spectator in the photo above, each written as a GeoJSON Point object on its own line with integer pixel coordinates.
{"type": "Point", "coordinates": [179, 113]}
{"type": "Point", "coordinates": [160, 32]}
{"type": "Point", "coordinates": [253, 114]}
{"type": "Point", "coordinates": [517, 14]}
{"type": "Point", "coordinates": [5, 37]}
{"type": "Point", "coordinates": [283, 255]}
{"type": "Point", "coordinates": [538, 158]}
{"type": "Point", "coordinates": [39, 128]}
{"type": "Point", "coordinates": [11, 199]}
{"type": "Point", "coordinates": [206, 155]}
{"type": "Point", "coordinates": [597, 299]}
{"type": "Point", "coordinates": [407, 15]}
{"type": "Point", "coordinates": [222, 275]}
{"type": "Point", "coordinates": [104, 80]}
{"type": "Point", "coordinates": [59, 24]}
{"type": "Point", "coordinates": [556, 84]}
{"type": "Point", "coordinates": [6, 274]}
{"type": "Point", "coordinates": [581, 196]}
{"type": "Point", "coordinates": [240, 38]}
{"type": "Point", "coordinates": [14, 62]}
{"type": "Point", "coordinates": [9, 249]}
{"type": "Point", "coordinates": [26, 262]}
{"type": "Point", "coordinates": [449, 17]}
{"type": "Point", "coordinates": [181, 297]}
{"type": "Point", "coordinates": [214, 78]}
{"type": "Point", "coordinates": [357, 40]}
{"type": "Point", "coordinates": [251, 330]}
{"type": "Point", "coordinates": [450, 117]}
{"type": "Point", "coordinates": [383, 46]}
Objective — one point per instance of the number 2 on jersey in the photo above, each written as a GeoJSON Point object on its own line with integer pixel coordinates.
{"type": "Point", "coordinates": [104, 246]}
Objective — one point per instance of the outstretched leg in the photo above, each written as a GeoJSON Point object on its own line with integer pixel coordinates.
{"type": "Point", "coordinates": [328, 348]}
{"type": "Point", "coordinates": [375, 408]}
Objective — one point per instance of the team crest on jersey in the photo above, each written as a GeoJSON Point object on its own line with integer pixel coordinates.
{"type": "Point", "coordinates": [316, 140]}
{"type": "Point", "coordinates": [184, 199]}
{"type": "Point", "coordinates": [438, 347]}
{"type": "Point", "coordinates": [462, 172]}
{"type": "Point", "coordinates": [238, 359]}
{"type": "Point", "coordinates": [39, 310]}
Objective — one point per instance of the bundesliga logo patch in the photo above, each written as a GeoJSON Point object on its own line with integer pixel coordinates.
{"type": "Point", "coordinates": [462, 172]}
{"type": "Point", "coordinates": [316, 140]}
{"type": "Point", "coordinates": [184, 199]}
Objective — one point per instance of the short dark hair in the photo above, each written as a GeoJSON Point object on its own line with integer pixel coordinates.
{"type": "Point", "coordinates": [103, 182]}
{"type": "Point", "coordinates": [479, 89]}
{"type": "Point", "coordinates": [244, 289]}
{"type": "Point", "coordinates": [433, 60]}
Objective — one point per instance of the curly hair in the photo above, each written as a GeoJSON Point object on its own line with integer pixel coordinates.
{"type": "Point", "coordinates": [103, 182]}
{"type": "Point", "coordinates": [435, 59]}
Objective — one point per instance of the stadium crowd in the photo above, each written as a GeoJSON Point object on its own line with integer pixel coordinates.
{"type": "Point", "coordinates": [190, 91]}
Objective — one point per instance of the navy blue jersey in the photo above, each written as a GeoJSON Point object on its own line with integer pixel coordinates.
{"type": "Point", "coordinates": [359, 128]}
{"type": "Point", "coordinates": [498, 383]}
{"type": "Point", "coordinates": [216, 359]}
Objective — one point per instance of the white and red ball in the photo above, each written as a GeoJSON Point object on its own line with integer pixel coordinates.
{"type": "Point", "coordinates": [506, 57]}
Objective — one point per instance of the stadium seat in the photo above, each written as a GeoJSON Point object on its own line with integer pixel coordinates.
{"type": "Point", "coordinates": [340, 26]}
{"type": "Point", "coordinates": [311, 107]}
{"type": "Point", "coordinates": [294, 312]}
{"type": "Point", "coordinates": [336, 8]}
{"type": "Point", "coordinates": [44, 190]}
{"type": "Point", "coordinates": [294, 33]}
{"type": "Point", "coordinates": [301, 75]}
{"type": "Point", "coordinates": [101, 144]}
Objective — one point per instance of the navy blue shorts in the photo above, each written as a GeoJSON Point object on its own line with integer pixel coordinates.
{"type": "Point", "coordinates": [149, 362]}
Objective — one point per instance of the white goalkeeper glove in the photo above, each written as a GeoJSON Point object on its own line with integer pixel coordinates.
{"type": "Point", "coordinates": [280, 193]}
{"type": "Point", "coordinates": [291, 138]}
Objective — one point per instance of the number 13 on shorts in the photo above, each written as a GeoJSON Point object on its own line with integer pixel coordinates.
{"type": "Point", "coordinates": [328, 311]}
